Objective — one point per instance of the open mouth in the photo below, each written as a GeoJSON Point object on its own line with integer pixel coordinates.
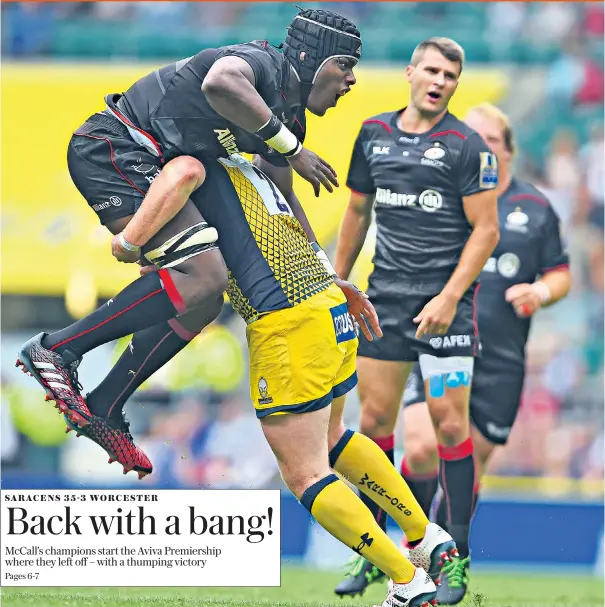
{"type": "Point", "coordinates": [434, 95]}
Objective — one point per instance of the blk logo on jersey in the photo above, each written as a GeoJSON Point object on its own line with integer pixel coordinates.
{"type": "Point", "coordinates": [344, 326]}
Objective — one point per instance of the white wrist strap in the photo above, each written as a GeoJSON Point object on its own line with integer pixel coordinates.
{"type": "Point", "coordinates": [285, 142]}
{"type": "Point", "coordinates": [321, 255]}
{"type": "Point", "coordinates": [543, 291]}
{"type": "Point", "coordinates": [126, 245]}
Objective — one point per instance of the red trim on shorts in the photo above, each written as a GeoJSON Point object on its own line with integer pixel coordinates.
{"type": "Point", "coordinates": [385, 442]}
{"type": "Point", "coordinates": [181, 331]}
{"type": "Point", "coordinates": [360, 193]}
{"type": "Point", "coordinates": [407, 473]}
{"type": "Point", "coordinates": [444, 133]}
{"type": "Point", "coordinates": [172, 291]}
{"type": "Point", "coordinates": [531, 197]}
{"type": "Point", "coordinates": [380, 122]}
{"type": "Point", "coordinates": [123, 118]}
{"type": "Point", "coordinates": [111, 155]}
{"type": "Point", "coordinates": [450, 454]}
{"type": "Point", "coordinates": [302, 128]}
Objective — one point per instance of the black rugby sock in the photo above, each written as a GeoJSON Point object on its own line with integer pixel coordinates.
{"type": "Point", "coordinates": [423, 486]}
{"type": "Point", "coordinates": [149, 350]}
{"type": "Point", "coordinates": [147, 301]}
{"type": "Point", "coordinates": [457, 475]}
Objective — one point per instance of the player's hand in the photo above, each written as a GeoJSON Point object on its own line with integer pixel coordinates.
{"type": "Point", "coordinates": [437, 316]}
{"type": "Point", "coordinates": [361, 309]}
{"type": "Point", "coordinates": [314, 169]}
{"type": "Point", "coordinates": [147, 269]}
{"type": "Point", "coordinates": [524, 299]}
{"type": "Point", "coordinates": [122, 254]}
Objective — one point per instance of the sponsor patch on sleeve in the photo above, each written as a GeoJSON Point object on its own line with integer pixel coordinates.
{"type": "Point", "coordinates": [488, 171]}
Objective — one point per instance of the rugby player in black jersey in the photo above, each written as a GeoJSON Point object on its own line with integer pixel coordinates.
{"type": "Point", "coordinates": [430, 179]}
{"type": "Point", "coordinates": [137, 164]}
{"type": "Point", "coordinates": [528, 270]}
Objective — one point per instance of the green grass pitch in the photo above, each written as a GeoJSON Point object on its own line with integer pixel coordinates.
{"type": "Point", "coordinates": [303, 587]}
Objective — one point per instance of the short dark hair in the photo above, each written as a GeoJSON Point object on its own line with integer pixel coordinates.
{"type": "Point", "coordinates": [449, 48]}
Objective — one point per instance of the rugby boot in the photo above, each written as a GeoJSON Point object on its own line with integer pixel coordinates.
{"type": "Point", "coordinates": [453, 581]}
{"type": "Point", "coordinates": [58, 375]}
{"type": "Point", "coordinates": [115, 438]}
{"type": "Point", "coordinates": [432, 552]}
{"type": "Point", "coordinates": [420, 592]}
{"type": "Point", "coordinates": [360, 575]}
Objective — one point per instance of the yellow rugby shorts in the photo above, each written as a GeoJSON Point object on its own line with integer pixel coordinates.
{"type": "Point", "coordinates": [303, 357]}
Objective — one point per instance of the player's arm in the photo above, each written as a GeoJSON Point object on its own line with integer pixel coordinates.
{"type": "Point", "coordinates": [481, 212]}
{"type": "Point", "coordinates": [353, 232]}
{"type": "Point", "coordinates": [358, 214]}
{"type": "Point", "coordinates": [165, 197]}
{"type": "Point", "coordinates": [230, 87]}
{"type": "Point", "coordinates": [555, 281]}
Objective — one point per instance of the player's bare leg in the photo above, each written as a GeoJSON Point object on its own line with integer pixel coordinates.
{"type": "Point", "coordinates": [447, 385]}
{"type": "Point", "coordinates": [300, 444]}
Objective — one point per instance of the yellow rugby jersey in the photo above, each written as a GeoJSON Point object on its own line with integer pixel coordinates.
{"type": "Point", "coordinates": [270, 261]}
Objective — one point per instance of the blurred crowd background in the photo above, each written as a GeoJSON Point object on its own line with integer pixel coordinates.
{"type": "Point", "coordinates": [541, 63]}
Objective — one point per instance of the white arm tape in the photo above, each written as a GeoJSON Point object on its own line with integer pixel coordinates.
{"type": "Point", "coordinates": [127, 245]}
{"type": "Point", "coordinates": [543, 291]}
{"type": "Point", "coordinates": [321, 255]}
{"type": "Point", "coordinates": [285, 142]}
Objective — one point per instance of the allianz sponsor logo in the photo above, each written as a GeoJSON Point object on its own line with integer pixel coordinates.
{"type": "Point", "coordinates": [227, 140]}
{"type": "Point", "coordinates": [450, 341]}
{"type": "Point", "coordinates": [114, 201]}
{"type": "Point", "coordinates": [429, 200]}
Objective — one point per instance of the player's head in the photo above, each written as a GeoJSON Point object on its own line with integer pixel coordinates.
{"type": "Point", "coordinates": [322, 47]}
{"type": "Point", "coordinates": [433, 74]}
{"type": "Point", "coordinates": [493, 125]}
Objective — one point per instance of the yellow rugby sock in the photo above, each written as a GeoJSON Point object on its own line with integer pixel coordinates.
{"type": "Point", "coordinates": [362, 462]}
{"type": "Point", "coordinates": [342, 514]}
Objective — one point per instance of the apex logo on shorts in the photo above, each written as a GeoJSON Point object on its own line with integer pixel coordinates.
{"type": "Point", "coordinates": [344, 326]}
{"type": "Point", "coordinates": [263, 390]}
{"type": "Point", "coordinates": [227, 140]}
{"type": "Point", "coordinates": [114, 201]}
{"type": "Point", "coordinates": [450, 341]}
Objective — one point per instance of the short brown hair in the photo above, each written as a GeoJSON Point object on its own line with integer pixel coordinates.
{"type": "Point", "coordinates": [449, 48]}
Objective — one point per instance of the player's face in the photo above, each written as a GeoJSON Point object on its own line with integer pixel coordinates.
{"type": "Point", "coordinates": [490, 130]}
{"type": "Point", "coordinates": [433, 82]}
{"type": "Point", "coordinates": [334, 80]}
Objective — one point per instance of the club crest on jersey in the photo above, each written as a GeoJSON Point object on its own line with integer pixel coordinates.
{"type": "Point", "coordinates": [434, 153]}
{"type": "Point", "coordinates": [488, 171]}
{"type": "Point", "coordinates": [263, 390]}
{"type": "Point", "coordinates": [343, 323]}
{"type": "Point", "coordinates": [508, 265]}
{"type": "Point", "coordinates": [517, 221]}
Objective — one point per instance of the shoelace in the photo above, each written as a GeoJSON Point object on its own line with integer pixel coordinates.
{"type": "Point", "coordinates": [355, 566]}
{"type": "Point", "coordinates": [455, 570]}
{"type": "Point", "coordinates": [72, 370]}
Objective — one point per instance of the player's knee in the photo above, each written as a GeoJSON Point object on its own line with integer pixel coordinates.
{"type": "Point", "coordinates": [207, 274]}
{"type": "Point", "coordinates": [335, 431]}
{"type": "Point", "coordinates": [421, 454]}
{"type": "Point", "coordinates": [452, 430]}
{"type": "Point", "coordinates": [298, 481]}
{"type": "Point", "coordinates": [377, 419]}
